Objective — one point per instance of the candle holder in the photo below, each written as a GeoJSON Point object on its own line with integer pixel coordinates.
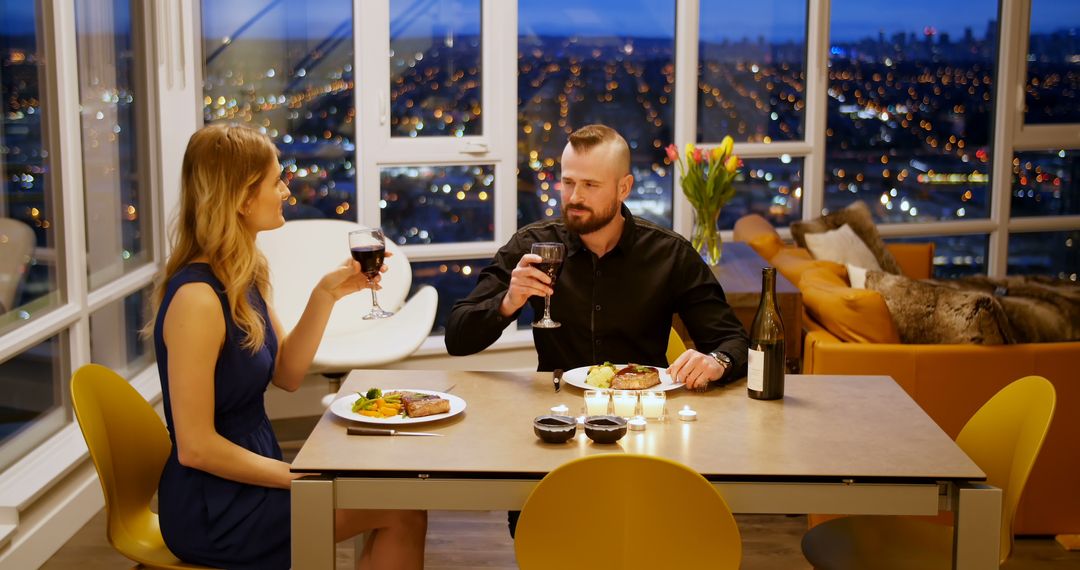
{"type": "Point", "coordinates": [624, 403]}
{"type": "Point", "coordinates": [687, 415]}
{"type": "Point", "coordinates": [652, 404]}
{"type": "Point", "coordinates": [596, 402]}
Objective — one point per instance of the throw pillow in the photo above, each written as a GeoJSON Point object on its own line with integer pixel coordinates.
{"type": "Point", "coordinates": [929, 313]}
{"type": "Point", "coordinates": [759, 234]}
{"type": "Point", "coordinates": [858, 216]}
{"type": "Point", "coordinates": [841, 246]}
{"type": "Point", "coordinates": [852, 315]}
{"type": "Point", "coordinates": [856, 276]}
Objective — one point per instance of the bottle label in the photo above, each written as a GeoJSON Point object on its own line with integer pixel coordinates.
{"type": "Point", "coordinates": [755, 370]}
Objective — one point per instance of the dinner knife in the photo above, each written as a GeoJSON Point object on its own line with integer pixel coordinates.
{"type": "Point", "coordinates": [556, 378]}
{"type": "Point", "coordinates": [379, 431]}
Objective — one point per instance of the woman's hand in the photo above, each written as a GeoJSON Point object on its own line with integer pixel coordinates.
{"type": "Point", "coordinates": [347, 279]}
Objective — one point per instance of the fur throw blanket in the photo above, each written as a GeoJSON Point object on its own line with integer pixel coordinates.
{"type": "Point", "coordinates": [980, 310]}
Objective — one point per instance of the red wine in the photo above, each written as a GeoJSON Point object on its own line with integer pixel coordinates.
{"type": "Point", "coordinates": [765, 364]}
{"type": "Point", "coordinates": [551, 268]}
{"type": "Point", "coordinates": [370, 258]}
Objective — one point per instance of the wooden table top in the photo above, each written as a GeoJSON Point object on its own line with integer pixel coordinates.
{"type": "Point", "coordinates": [826, 428]}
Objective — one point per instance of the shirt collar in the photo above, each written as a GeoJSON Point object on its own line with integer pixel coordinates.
{"type": "Point", "coordinates": [626, 240]}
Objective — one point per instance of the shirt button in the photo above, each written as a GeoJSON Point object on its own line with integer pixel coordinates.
{"type": "Point", "coordinates": [598, 307]}
{"type": "Point", "coordinates": [597, 342]}
{"type": "Point", "coordinates": [598, 273]}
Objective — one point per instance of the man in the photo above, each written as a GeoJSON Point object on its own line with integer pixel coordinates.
{"type": "Point", "coordinates": [622, 281]}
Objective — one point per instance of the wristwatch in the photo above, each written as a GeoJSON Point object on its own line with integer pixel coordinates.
{"type": "Point", "coordinates": [724, 360]}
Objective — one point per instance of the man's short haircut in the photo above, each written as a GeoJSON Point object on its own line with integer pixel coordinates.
{"type": "Point", "coordinates": [591, 136]}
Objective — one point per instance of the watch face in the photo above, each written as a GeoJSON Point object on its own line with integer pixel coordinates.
{"type": "Point", "coordinates": [722, 358]}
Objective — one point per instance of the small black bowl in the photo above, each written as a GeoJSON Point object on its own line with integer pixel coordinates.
{"type": "Point", "coordinates": [605, 429]}
{"type": "Point", "coordinates": [555, 429]}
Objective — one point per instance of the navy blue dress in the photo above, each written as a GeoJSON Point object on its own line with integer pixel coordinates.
{"type": "Point", "coordinates": [206, 519]}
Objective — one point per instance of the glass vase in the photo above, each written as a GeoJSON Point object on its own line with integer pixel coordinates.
{"type": "Point", "coordinates": [705, 236]}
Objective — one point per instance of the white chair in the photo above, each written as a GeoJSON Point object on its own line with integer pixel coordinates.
{"type": "Point", "coordinates": [302, 252]}
{"type": "Point", "coordinates": [16, 245]}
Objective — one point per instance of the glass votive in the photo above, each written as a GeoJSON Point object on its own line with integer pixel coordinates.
{"type": "Point", "coordinates": [636, 423]}
{"type": "Point", "coordinates": [624, 403]}
{"type": "Point", "coordinates": [652, 404]}
{"type": "Point", "coordinates": [596, 402]}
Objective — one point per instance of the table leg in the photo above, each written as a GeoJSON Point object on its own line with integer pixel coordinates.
{"type": "Point", "coordinates": [977, 537]}
{"type": "Point", "coordinates": [312, 523]}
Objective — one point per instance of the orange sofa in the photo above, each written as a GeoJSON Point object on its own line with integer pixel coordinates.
{"type": "Point", "coordinates": [949, 382]}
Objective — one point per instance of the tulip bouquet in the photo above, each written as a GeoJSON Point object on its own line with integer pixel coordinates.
{"type": "Point", "coordinates": [707, 177]}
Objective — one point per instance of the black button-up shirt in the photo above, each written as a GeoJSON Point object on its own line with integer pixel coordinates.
{"type": "Point", "coordinates": [615, 308]}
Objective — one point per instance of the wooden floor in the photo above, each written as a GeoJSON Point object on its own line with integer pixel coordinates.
{"type": "Point", "coordinates": [466, 540]}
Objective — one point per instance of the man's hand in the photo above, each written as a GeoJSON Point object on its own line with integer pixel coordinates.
{"type": "Point", "coordinates": [696, 370]}
{"type": "Point", "coordinates": [525, 281]}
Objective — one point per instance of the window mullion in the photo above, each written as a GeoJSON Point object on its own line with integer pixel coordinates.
{"type": "Point", "coordinates": [687, 31]}
{"type": "Point", "coordinates": [65, 139]}
{"type": "Point", "coordinates": [371, 36]}
{"type": "Point", "coordinates": [1013, 30]}
{"type": "Point", "coordinates": [817, 106]}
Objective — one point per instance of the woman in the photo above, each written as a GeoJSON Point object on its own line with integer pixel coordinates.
{"type": "Point", "coordinates": [224, 493]}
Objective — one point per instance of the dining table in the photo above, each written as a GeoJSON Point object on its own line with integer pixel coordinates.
{"type": "Point", "coordinates": [832, 445]}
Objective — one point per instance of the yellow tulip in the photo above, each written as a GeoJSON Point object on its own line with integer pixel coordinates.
{"type": "Point", "coordinates": [731, 164]}
{"type": "Point", "coordinates": [726, 145]}
{"type": "Point", "coordinates": [716, 154]}
{"type": "Point", "coordinates": [690, 151]}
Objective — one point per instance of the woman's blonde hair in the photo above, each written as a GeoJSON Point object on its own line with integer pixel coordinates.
{"type": "Point", "coordinates": [223, 167]}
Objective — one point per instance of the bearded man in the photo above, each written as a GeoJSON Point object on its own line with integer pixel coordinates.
{"type": "Point", "coordinates": [622, 280]}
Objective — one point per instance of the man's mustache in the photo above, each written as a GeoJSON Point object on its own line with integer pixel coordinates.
{"type": "Point", "coordinates": [579, 208]}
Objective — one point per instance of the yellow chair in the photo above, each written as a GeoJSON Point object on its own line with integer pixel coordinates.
{"type": "Point", "coordinates": [626, 511]}
{"type": "Point", "coordinates": [1003, 438]}
{"type": "Point", "coordinates": [675, 346]}
{"type": "Point", "coordinates": [129, 446]}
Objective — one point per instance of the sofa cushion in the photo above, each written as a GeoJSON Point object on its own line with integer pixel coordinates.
{"type": "Point", "coordinates": [853, 315]}
{"type": "Point", "coordinates": [759, 234]}
{"type": "Point", "coordinates": [858, 216]}
{"type": "Point", "coordinates": [792, 262]}
{"type": "Point", "coordinates": [930, 313]}
{"type": "Point", "coordinates": [841, 246]}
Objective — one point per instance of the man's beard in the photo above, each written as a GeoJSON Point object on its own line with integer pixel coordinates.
{"type": "Point", "coordinates": [590, 224]}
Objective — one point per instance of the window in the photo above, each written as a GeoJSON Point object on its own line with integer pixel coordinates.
{"type": "Point", "coordinates": [1052, 92]}
{"type": "Point", "coordinates": [910, 107]}
{"type": "Point", "coordinates": [30, 401]}
{"type": "Point", "coordinates": [771, 187]}
{"type": "Point", "coordinates": [287, 69]}
{"type": "Point", "coordinates": [117, 227]}
{"type": "Point", "coordinates": [28, 197]}
{"type": "Point", "coordinates": [956, 255]}
{"type": "Point", "coordinates": [435, 68]}
{"type": "Point", "coordinates": [752, 71]}
{"type": "Point", "coordinates": [453, 278]}
{"type": "Point", "coordinates": [1044, 183]}
{"type": "Point", "coordinates": [121, 321]}
{"type": "Point", "coordinates": [438, 204]}
{"type": "Point", "coordinates": [604, 62]}
{"type": "Point", "coordinates": [1055, 254]}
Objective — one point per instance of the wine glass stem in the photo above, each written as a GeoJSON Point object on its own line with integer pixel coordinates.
{"type": "Point", "coordinates": [547, 307]}
{"type": "Point", "coordinates": [375, 301]}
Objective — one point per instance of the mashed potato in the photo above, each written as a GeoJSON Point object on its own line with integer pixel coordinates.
{"type": "Point", "coordinates": [601, 375]}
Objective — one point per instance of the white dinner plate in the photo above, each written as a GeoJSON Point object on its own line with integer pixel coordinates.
{"type": "Point", "coordinates": [576, 377]}
{"type": "Point", "coordinates": [342, 407]}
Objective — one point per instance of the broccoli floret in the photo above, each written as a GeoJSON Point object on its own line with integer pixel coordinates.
{"type": "Point", "coordinates": [373, 394]}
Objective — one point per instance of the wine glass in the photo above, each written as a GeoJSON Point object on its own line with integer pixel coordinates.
{"type": "Point", "coordinates": [368, 247]}
{"type": "Point", "coordinates": [551, 260]}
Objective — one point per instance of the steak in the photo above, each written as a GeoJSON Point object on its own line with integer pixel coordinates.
{"type": "Point", "coordinates": [420, 405]}
{"type": "Point", "coordinates": [635, 377]}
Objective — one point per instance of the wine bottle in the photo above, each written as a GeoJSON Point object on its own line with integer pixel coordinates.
{"type": "Point", "coordinates": [765, 365]}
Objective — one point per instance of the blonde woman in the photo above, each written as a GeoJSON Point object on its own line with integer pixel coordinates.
{"type": "Point", "coordinates": [224, 493]}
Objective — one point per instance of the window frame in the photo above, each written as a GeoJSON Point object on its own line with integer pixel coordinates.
{"type": "Point", "coordinates": [70, 318]}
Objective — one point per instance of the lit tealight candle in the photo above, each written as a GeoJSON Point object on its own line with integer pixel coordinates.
{"type": "Point", "coordinates": [637, 423]}
{"type": "Point", "coordinates": [687, 415]}
{"type": "Point", "coordinates": [560, 410]}
{"type": "Point", "coordinates": [581, 420]}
